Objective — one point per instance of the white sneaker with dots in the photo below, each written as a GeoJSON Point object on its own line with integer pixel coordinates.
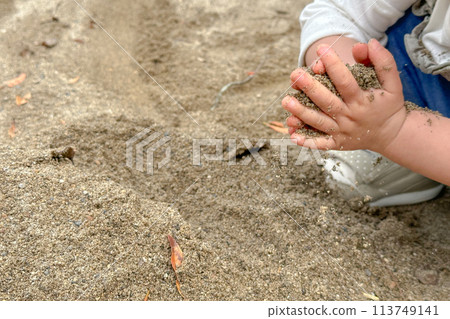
{"type": "Point", "coordinates": [377, 179]}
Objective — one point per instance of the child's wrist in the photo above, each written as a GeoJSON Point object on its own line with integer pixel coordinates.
{"type": "Point", "coordinates": [394, 136]}
{"type": "Point", "coordinates": [403, 140]}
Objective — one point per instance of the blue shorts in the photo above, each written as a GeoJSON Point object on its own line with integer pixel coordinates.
{"type": "Point", "coordinates": [427, 90]}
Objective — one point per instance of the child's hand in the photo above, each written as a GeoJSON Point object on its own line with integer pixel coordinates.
{"type": "Point", "coordinates": [362, 119]}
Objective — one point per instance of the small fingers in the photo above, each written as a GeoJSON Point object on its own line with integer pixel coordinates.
{"type": "Point", "coordinates": [341, 76]}
{"type": "Point", "coordinates": [321, 143]}
{"type": "Point", "coordinates": [295, 122]}
{"type": "Point", "coordinates": [314, 118]}
{"type": "Point", "coordinates": [360, 53]}
{"type": "Point", "coordinates": [296, 76]}
{"type": "Point", "coordinates": [318, 67]}
{"type": "Point", "coordinates": [385, 66]}
{"type": "Point", "coordinates": [319, 94]}
{"type": "Point", "coordinates": [291, 130]}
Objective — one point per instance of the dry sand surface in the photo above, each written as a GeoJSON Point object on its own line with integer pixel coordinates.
{"type": "Point", "coordinates": [98, 229]}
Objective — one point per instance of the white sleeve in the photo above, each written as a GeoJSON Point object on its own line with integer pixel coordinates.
{"type": "Point", "coordinates": [360, 20]}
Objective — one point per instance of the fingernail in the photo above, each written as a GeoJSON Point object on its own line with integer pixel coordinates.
{"type": "Point", "coordinates": [286, 101]}
{"type": "Point", "coordinates": [291, 103]}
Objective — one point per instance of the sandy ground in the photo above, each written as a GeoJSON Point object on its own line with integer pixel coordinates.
{"type": "Point", "coordinates": [98, 229]}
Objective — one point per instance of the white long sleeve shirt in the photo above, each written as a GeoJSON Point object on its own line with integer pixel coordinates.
{"type": "Point", "coordinates": [366, 19]}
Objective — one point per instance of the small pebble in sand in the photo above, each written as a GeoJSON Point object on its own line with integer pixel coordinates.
{"type": "Point", "coordinates": [427, 276]}
{"type": "Point", "coordinates": [49, 43]}
{"type": "Point", "coordinates": [76, 223]}
{"type": "Point", "coordinates": [21, 185]}
{"type": "Point", "coordinates": [323, 209]}
{"type": "Point", "coordinates": [392, 284]}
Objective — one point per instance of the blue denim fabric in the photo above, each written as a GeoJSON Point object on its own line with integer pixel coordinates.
{"type": "Point", "coordinates": [432, 91]}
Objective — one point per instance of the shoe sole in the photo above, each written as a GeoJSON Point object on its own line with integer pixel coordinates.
{"type": "Point", "coordinates": [408, 198]}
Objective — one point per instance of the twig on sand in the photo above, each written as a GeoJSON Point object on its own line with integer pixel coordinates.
{"type": "Point", "coordinates": [235, 83]}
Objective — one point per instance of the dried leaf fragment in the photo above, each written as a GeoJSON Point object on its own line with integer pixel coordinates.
{"type": "Point", "coordinates": [177, 254]}
{"type": "Point", "coordinates": [277, 126]}
{"type": "Point", "coordinates": [177, 283]}
{"type": "Point", "coordinates": [371, 297]}
{"type": "Point", "coordinates": [16, 81]}
{"type": "Point", "coordinates": [74, 80]}
{"type": "Point", "coordinates": [22, 100]}
{"type": "Point", "coordinates": [12, 129]}
{"type": "Point", "coordinates": [176, 260]}
{"type": "Point", "coordinates": [146, 296]}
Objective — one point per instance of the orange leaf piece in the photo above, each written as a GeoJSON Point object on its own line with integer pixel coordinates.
{"type": "Point", "coordinates": [12, 129]}
{"type": "Point", "coordinates": [179, 289]}
{"type": "Point", "coordinates": [176, 260]}
{"type": "Point", "coordinates": [20, 100]}
{"type": "Point", "coordinates": [146, 296]}
{"type": "Point", "coordinates": [282, 129]}
{"type": "Point", "coordinates": [74, 80]}
{"type": "Point", "coordinates": [177, 254]}
{"type": "Point", "coordinates": [276, 123]}
{"type": "Point", "coordinates": [16, 81]}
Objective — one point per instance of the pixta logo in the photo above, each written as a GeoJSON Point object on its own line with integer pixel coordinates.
{"type": "Point", "coordinates": [146, 142]}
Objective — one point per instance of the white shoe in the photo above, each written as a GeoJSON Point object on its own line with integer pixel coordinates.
{"type": "Point", "coordinates": [377, 179]}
